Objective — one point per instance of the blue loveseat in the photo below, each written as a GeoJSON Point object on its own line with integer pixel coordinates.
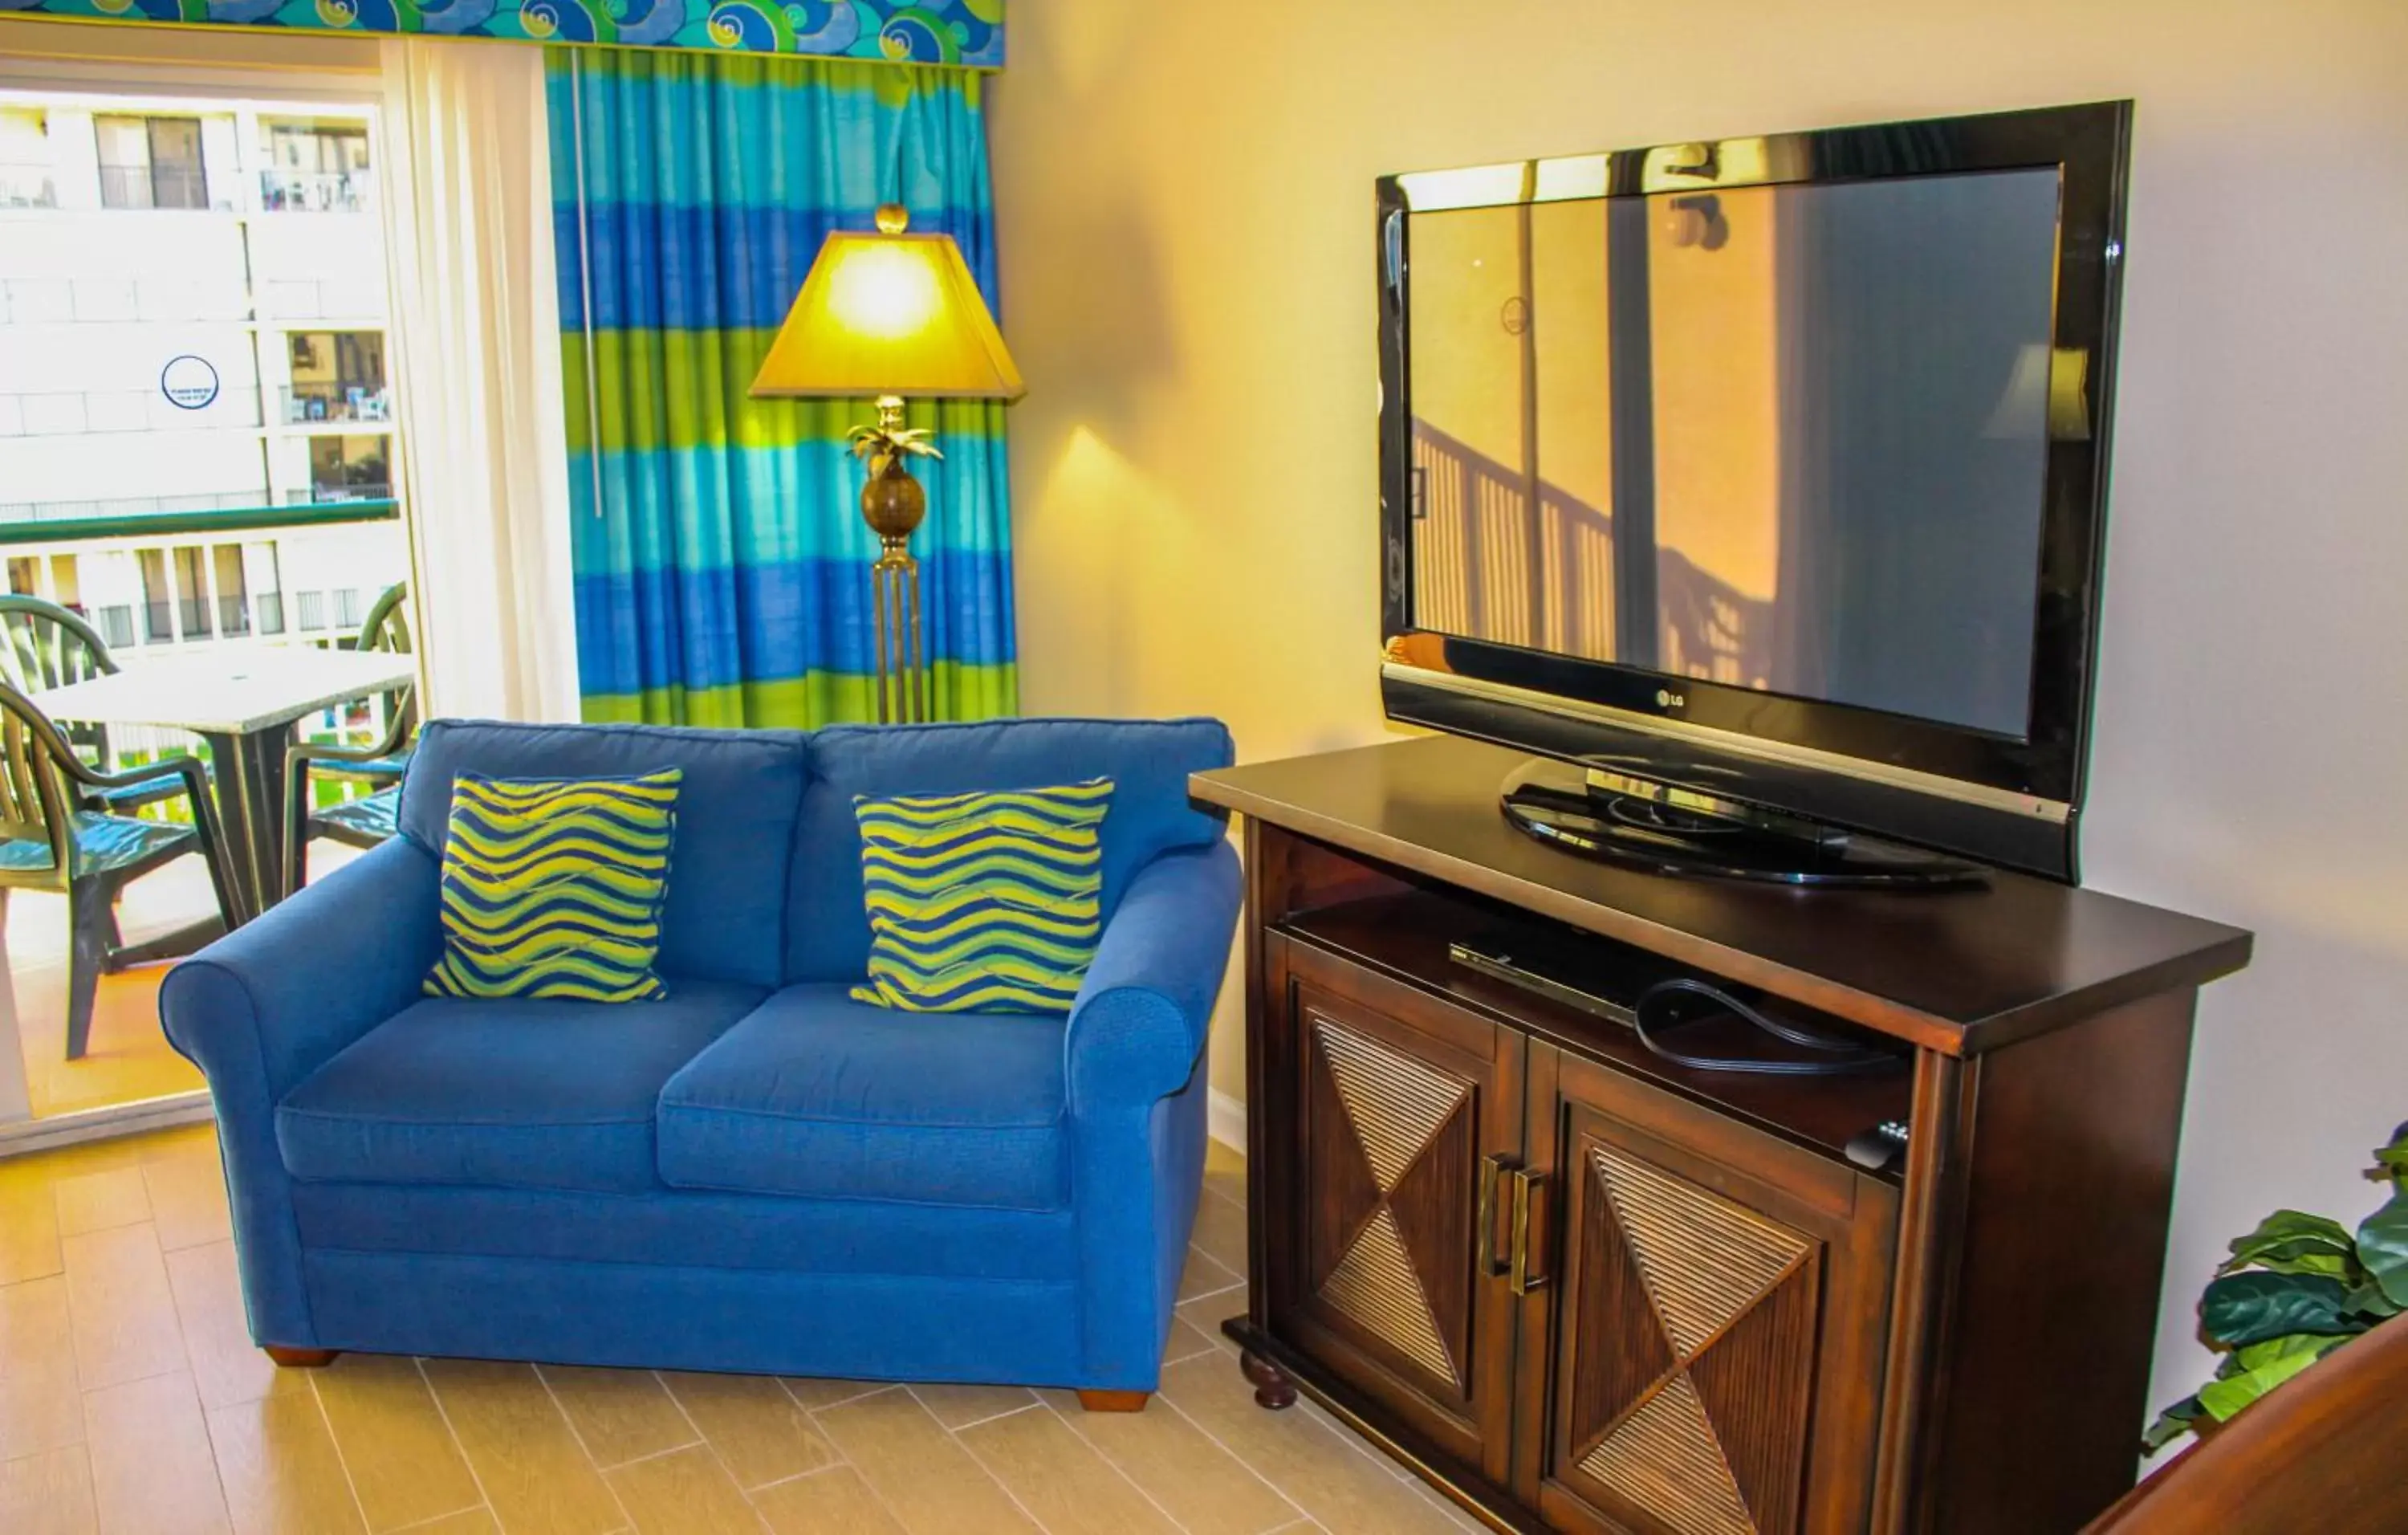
{"type": "Point", "coordinates": [756, 1174]}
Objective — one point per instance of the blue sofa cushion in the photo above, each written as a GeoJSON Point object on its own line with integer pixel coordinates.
{"type": "Point", "coordinates": [724, 916]}
{"type": "Point", "coordinates": [820, 1096]}
{"type": "Point", "coordinates": [827, 934]}
{"type": "Point", "coordinates": [518, 1093]}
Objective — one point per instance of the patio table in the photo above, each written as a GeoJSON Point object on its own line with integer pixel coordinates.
{"type": "Point", "coordinates": [243, 703]}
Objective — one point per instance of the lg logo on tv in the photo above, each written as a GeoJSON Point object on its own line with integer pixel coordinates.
{"type": "Point", "coordinates": [1667, 698]}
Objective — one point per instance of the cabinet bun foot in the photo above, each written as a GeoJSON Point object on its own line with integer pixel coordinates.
{"type": "Point", "coordinates": [1273, 1388]}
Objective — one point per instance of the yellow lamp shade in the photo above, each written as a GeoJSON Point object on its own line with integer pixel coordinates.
{"type": "Point", "coordinates": [889, 313]}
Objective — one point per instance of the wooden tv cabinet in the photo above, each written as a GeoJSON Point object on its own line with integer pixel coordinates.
{"type": "Point", "coordinates": [1577, 1287]}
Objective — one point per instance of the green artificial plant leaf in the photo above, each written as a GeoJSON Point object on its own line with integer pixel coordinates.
{"type": "Point", "coordinates": [2332, 1265]}
{"type": "Point", "coordinates": [2241, 1309]}
{"type": "Point", "coordinates": [2369, 1301]}
{"type": "Point", "coordinates": [2291, 1242]}
{"type": "Point", "coordinates": [2391, 1161]}
{"type": "Point", "coordinates": [2383, 1247]}
{"type": "Point", "coordinates": [2173, 1424]}
{"type": "Point", "coordinates": [2264, 1366]}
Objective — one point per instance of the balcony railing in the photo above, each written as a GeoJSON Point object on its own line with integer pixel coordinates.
{"type": "Point", "coordinates": [325, 496]}
{"type": "Point", "coordinates": [237, 575]}
{"type": "Point", "coordinates": [154, 186]}
{"type": "Point", "coordinates": [122, 508]}
{"type": "Point", "coordinates": [222, 581]}
{"type": "Point", "coordinates": [100, 299]}
{"type": "Point", "coordinates": [307, 404]}
{"type": "Point", "coordinates": [27, 186]}
{"type": "Point", "coordinates": [357, 296]}
{"type": "Point", "coordinates": [70, 412]}
{"type": "Point", "coordinates": [75, 412]}
{"type": "Point", "coordinates": [317, 190]}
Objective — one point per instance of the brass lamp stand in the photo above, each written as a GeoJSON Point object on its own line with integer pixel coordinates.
{"type": "Point", "coordinates": [892, 503]}
{"type": "Point", "coordinates": [885, 315]}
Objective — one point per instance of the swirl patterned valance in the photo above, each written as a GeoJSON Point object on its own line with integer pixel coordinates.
{"type": "Point", "coordinates": [967, 33]}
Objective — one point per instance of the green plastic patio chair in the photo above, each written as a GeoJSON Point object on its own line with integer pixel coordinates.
{"type": "Point", "coordinates": [45, 646]}
{"type": "Point", "coordinates": [51, 840]}
{"type": "Point", "coordinates": [372, 818]}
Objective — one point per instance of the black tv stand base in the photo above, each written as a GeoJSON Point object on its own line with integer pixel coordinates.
{"type": "Point", "coordinates": [1608, 813]}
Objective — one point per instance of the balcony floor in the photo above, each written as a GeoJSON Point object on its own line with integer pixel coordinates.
{"type": "Point", "coordinates": [128, 1058]}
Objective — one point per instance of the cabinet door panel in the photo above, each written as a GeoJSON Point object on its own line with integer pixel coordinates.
{"type": "Point", "coordinates": [1402, 1101]}
{"type": "Point", "coordinates": [1718, 1322]}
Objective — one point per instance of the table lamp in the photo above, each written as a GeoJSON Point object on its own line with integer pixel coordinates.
{"type": "Point", "coordinates": [881, 316]}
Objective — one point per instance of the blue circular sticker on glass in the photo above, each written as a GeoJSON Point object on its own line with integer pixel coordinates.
{"type": "Point", "coordinates": [189, 383]}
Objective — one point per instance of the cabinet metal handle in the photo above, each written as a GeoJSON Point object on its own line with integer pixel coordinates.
{"type": "Point", "coordinates": [1492, 1167]}
{"type": "Point", "coordinates": [1527, 1186]}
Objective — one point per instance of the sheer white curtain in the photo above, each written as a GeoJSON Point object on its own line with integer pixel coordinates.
{"type": "Point", "coordinates": [476, 343]}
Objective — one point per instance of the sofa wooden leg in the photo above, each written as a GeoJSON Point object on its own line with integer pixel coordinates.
{"type": "Point", "coordinates": [1114, 1402]}
{"type": "Point", "coordinates": [300, 1358]}
{"type": "Point", "coordinates": [1273, 1388]}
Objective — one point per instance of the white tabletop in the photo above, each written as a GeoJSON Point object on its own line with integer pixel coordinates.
{"type": "Point", "coordinates": [231, 692]}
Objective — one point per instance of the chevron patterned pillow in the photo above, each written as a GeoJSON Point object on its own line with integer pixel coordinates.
{"type": "Point", "coordinates": [552, 887]}
{"type": "Point", "coordinates": [983, 902]}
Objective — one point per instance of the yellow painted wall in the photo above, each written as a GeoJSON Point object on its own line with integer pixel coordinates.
{"type": "Point", "coordinates": [1187, 253]}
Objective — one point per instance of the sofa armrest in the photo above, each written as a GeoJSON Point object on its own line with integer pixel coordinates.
{"type": "Point", "coordinates": [1141, 1014]}
{"type": "Point", "coordinates": [269, 1003]}
{"type": "Point", "coordinates": [1137, 1101]}
{"type": "Point", "coordinates": [277, 998]}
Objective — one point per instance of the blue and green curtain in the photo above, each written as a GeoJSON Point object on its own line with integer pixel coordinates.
{"type": "Point", "coordinates": [721, 564]}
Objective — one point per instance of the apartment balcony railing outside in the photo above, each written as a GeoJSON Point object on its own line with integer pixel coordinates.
{"type": "Point", "coordinates": [159, 584]}
{"type": "Point", "coordinates": [334, 495]}
{"type": "Point", "coordinates": [156, 186]}
{"type": "Point", "coordinates": [122, 508]}
{"type": "Point", "coordinates": [178, 579]}
{"type": "Point", "coordinates": [307, 404]}
{"type": "Point", "coordinates": [107, 300]}
{"type": "Point", "coordinates": [351, 297]}
{"type": "Point", "coordinates": [27, 186]}
{"type": "Point", "coordinates": [75, 412]}
{"type": "Point", "coordinates": [125, 186]}
{"type": "Point", "coordinates": [317, 190]}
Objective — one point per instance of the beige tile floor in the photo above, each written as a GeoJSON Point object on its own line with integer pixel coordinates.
{"type": "Point", "coordinates": [131, 1400]}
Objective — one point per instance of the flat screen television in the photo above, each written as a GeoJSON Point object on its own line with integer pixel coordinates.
{"type": "Point", "coordinates": [1761, 483]}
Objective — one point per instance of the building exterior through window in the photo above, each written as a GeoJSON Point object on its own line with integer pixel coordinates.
{"type": "Point", "coordinates": [151, 162]}
{"type": "Point", "coordinates": [196, 418]}
{"type": "Point", "coordinates": [197, 451]}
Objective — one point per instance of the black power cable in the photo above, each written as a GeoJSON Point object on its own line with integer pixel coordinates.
{"type": "Point", "coordinates": [1846, 1056]}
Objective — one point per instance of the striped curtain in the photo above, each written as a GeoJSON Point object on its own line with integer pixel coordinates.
{"type": "Point", "coordinates": [721, 564]}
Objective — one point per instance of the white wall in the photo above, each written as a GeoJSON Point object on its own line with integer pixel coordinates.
{"type": "Point", "coordinates": [1184, 195]}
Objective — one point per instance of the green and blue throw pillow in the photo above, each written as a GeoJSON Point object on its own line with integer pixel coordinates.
{"type": "Point", "coordinates": [552, 887]}
{"type": "Point", "coordinates": [985, 902]}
